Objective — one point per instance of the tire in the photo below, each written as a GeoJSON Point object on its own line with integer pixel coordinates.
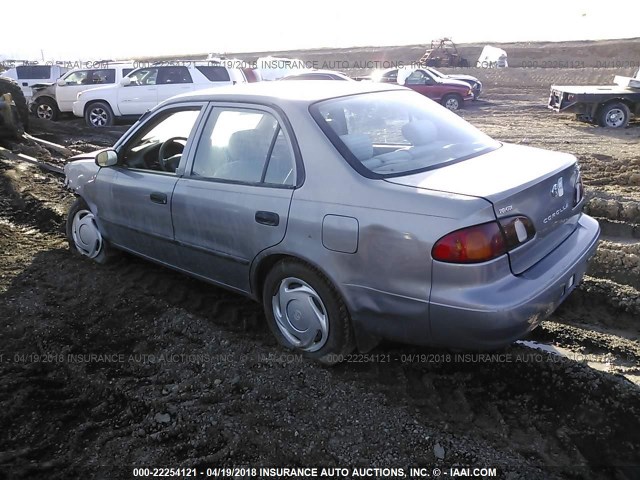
{"type": "Point", "coordinates": [7, 85]}
{"type": "Point", "coordinates": [309, 298]}
{"type": "Point", "coordinates": [614, 115]}
{"type": "Point", "coordinates": [452, 102]}
{"type": "Point", "coordinates": [47, 109]}
{"type": "Point", "coordinates": [98, 114]}
{"type": "Point", "coordinates": [83, 235]}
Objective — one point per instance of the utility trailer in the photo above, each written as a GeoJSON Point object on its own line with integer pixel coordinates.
{"type": "Point", "coordinates": [608, 106]}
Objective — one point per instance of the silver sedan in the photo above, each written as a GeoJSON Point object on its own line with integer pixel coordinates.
{"type": "Point", "coordinates": [352, 212]}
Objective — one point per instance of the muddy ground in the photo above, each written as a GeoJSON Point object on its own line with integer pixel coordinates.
{"type": "Point", "coordinates": [184, 374]}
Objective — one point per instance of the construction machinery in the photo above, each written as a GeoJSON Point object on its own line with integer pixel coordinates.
{"type": "Point", "coordinates": [14, 112]}
{"type": "Point", "coordinates": [443, 53]}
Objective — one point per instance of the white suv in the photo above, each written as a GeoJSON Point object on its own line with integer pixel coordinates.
{"type": "Point", "coordinates": [49, 101]}
{"type": "Point", "coordinates": [28, 75]}
{"type": "Point", "coordinates": [146, 87]}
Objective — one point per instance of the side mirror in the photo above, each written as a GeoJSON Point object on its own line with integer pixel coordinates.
{"type": "Point", "coordinates": [125, 82]}
{"type": "Point", "coordinates": [107, 158]}
{"type": "Point", "coordinates": [61, 82]}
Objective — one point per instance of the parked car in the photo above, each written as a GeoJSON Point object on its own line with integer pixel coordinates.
{"type": "Point", "coordinates": [49, 100]}
{"type": "Point", "coordinates": [350, 210]}
{"type": "Point", "coordinates": [29, 75]}
{"type": "Point", "coordinates": [146, 87]}
{"type": "Point", "coordinates": [450, 93]}
{"type": "Point", "coordinates": [473, 82]}
{"type": "Point", "coordinates": [610, 106]}
{"type": "Point", "coordinates": [318, 75]}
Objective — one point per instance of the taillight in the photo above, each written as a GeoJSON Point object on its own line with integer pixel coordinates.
{"type": "Point", "coordinates": [579, 191]}
{"type": "Point", "coordinates": [471, 245]}
{"type": "Point", "coordinates": [481, 243]}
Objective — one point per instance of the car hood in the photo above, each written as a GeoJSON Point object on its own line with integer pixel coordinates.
{"type": "Point", "coordinates": [452, 81]}
{"type": "Point", "coordinates": [463, 77]}
{"type": "Point", "coordinates": [97, 91]}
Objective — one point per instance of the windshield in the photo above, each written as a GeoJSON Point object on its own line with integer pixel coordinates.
{"type": "Point", "coordinates": [386, 134]}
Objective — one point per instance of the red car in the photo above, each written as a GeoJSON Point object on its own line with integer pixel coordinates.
{"type": "Point", "coordinates": [450, 93]}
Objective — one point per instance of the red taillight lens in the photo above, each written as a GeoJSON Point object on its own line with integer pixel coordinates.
{"type": "Point", "coordinates": [471, 245]}
{"type": "Point", "coordinates": [481, 243]}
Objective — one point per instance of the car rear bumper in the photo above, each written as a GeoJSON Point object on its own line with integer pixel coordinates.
{"type": "Point", "coordinates": [492, 314]}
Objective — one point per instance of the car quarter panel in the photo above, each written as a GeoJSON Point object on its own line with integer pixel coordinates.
{"type": "Point", "coordinates": [390, 271]}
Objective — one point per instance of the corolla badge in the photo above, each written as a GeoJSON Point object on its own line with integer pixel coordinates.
{"type": "Point", "coordinates": [557, 189]}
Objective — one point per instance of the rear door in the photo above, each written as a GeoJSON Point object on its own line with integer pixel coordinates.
{"type": "Point", "coordinates": [233, 200]}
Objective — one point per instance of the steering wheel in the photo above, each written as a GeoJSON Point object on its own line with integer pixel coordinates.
{"type": "Point", "coordinates": [166, 163]}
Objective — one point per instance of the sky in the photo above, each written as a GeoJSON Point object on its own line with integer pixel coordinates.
{"type": "Point", "coordinates": [84, 30]}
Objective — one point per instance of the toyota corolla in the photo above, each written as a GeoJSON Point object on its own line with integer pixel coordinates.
{"type": "Point", "coordinates": [352, 212]}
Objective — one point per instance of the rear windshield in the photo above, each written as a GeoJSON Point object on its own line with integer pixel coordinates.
{"type": "Point", "coordinates": [386, 134]}
{"type": "Point", "coordinates": [33, 72]}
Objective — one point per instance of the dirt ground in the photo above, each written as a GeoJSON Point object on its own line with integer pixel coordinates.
{"type": "Point", "coordinates": [103, 368]}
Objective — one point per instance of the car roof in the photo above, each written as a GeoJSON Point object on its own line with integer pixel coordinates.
{"type": "Point", "coordinates": [306, 91]}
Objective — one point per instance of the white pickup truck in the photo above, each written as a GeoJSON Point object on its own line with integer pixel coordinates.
{"type": "Point", "coordinates": [146, 87]}
{"type": "Point", "coordinates": [608, 105]}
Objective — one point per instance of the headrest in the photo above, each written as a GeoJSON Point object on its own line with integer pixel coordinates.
{"type": "Point", "coordinates": [360, 145]}
{"type": "Point", "coordinates": [420, 132]}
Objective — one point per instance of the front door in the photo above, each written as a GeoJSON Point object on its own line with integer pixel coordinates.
{"type": "Point", "coordinates": [233, 201]}
{"type": "Point", "coordinates": [137, 215]}
{"type": "Point", "coordinates": [141, 94]}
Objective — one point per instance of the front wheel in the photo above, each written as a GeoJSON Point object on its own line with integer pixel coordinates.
{"type": "Point", "coordinates": [83, 235]}
{"type": "Point", "coordinates": [615, 115]}
{"type": "Point", "coordinates": [98, 114]}
{"type": "Point", "coordinates": [452, 102]}
{"type": "Point", "coordinates": [306, 313]}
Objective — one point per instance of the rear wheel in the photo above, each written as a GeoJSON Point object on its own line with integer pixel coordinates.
{"type": "Point", "coordinates": [615, 115]}
{"type": "Point", "coordinates": [84, 237]}
{"type": "Point", "coordinates": [306, 313]}
{"type": "Point", "coordinates": [98, 114]}
{"type": "Point", "coordinates": [452, 101]}
{"type": "Point", "coordinates": [47, 109]}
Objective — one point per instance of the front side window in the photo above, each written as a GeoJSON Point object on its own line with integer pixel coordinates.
{"type": "Point", "coordinates": [80, 77]}
{"type": "Point", "coordinates": [399, 132]}
{"type": "Point", "coordinates": [144, 76]}
{"type": "Point", "coordinates": [158, 146]}
{"type": "Point", "coordinates": [418, 77]}
{"type": "Point", "coordinates": [244, 145]}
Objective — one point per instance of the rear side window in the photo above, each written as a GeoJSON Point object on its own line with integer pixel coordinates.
{"type": "Point", "coordinates": [33, 72]}
{"type": "Point", "coordinates": [245, 146]}
{"type": "Point", "coordinates": [215, 73]}
{"type": "Point", "coordinates": [172, 75]}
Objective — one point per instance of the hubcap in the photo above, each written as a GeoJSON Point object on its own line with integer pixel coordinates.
{"type": "Point", "coordinates": [301, 315]}
{"type": "Point", "coordinates": [44, 111]}
{"type": "Point", "coordinates": [615, 117]}
{"type": "Point", "coordinates": [86, 235]}
{"type": "Point", "coordinates": [451, 104]}
{"type": "Point", "coordinates": [98, 117]}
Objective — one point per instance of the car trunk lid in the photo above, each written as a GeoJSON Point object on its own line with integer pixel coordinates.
{"type": "Point", "coordinates": [517, 180]}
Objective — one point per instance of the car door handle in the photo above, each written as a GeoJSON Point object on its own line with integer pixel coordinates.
{"type": "Point", "coordinates": [158, 197]}
{"type": "Point", "coordinates": [267, 218]}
